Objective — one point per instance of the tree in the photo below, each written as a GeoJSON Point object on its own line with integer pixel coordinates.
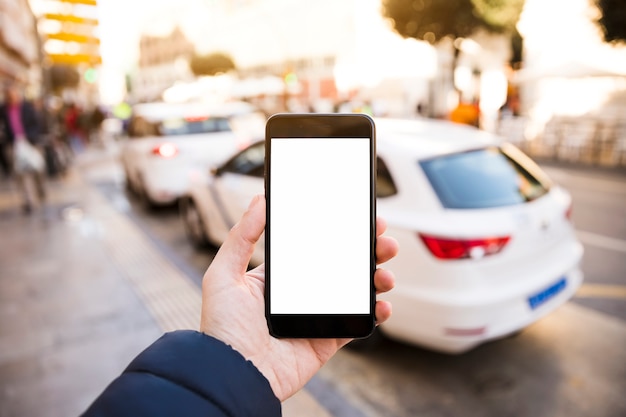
{"type": "Point", "coordinates": [431, 20]}
{"type": "Point", "coordinates": [613, 20]}
{"type": "Point", "coordinates": [501, 16]}
{"type": "Point", "coordinates": [434, 20]}
{"type": "Point", "coordinates": [211, 64]}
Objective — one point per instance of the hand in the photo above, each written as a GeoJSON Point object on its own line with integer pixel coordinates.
{"type": "Point", "coordinates": [233, 307]}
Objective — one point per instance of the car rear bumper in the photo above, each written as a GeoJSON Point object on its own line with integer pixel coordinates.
{"type": "Point", "coordinates": [456, 326]}
{"type": "Point", "coordinates": [162, 194]}
{"type": "Point", "coordinates": [166, 186]}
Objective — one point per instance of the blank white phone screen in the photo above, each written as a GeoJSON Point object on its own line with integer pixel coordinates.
{"type": "Point", "coordinates": [320, 226]}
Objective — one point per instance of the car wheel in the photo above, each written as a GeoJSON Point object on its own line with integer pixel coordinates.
{"type": "Point", "coordinates": [194, 225]}
{"type": "Point", "coordinates": [129, 183]}
{"type": "Point", "coordinates": [145, 199]}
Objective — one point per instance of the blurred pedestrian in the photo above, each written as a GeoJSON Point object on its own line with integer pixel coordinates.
{"type": "Point", "coordinates": [95, 126]}
{"type": "Point", "coordinates": [232, 367]}
{"type": "Point", "coordinates": [45, 133]}
{"type": "Point", "coordinates": [56, 150]}
{"type": "Point", "coordinates": [21, 127]}
{"type": "Point", "coordinates": [5, 158]}
{"type": "Point", "coordinates": [420, 109]}
{"type": "Point", "coordinates": [73, 128]}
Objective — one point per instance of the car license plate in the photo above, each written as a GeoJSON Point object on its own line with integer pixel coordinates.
{"type": "Point", "coordinates": [547, 294]}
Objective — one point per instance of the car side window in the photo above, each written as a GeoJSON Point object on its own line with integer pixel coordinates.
{"type": "Point", "coordinates": [249, 162]}
{"type": "Point", "coordinates": [385, 186]}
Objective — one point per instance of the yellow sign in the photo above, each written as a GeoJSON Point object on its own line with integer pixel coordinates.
{"type": "Point", "coordinates": [71, 19]}
{"type": "Point", "coordinates": [72, 37]}
{"type": "Point", "coordinates": [87, 2]}
{"type": "Point", "coordinates": [75, 59]}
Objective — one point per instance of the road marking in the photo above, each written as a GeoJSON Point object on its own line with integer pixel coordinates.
{"type": "Point", "coordinates": [601, 241]}
{"type": "Point", "coordinates": [601, 291]}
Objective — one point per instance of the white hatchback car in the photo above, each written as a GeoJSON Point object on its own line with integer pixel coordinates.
{"type": "Point", "coordinates": [168, 143]}
{"type": "Point", "coordinates": [486, 242]}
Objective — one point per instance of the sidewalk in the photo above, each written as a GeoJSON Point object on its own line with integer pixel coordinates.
{"type": "Point", "coordinates": [82, 292]}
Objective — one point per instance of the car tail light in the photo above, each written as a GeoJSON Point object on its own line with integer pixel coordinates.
{"type": "Point", "coordinates": [446, 248]}
{"type": "Point", "coordinates": [165, 150]}
{"type": "Point", "coordinates": [196, 118]}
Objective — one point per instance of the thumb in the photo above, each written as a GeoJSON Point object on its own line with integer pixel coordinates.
{"type": "Point", "coordinates": [235, 253]}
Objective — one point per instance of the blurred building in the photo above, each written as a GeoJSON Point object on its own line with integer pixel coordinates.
{"type": "Point", "coordinates": [314, 46]}
{"type": "Point", "coordinates": [70, 48]}
{"type": "Point", "coordinates": [284, 39]}
{"type": "Point", "coordinates": [163, 60]}
{"type": "Point", "coordinates": [344, 54]}
{"type": "Point", "coordinates": [325, 53]}
{"type": "Point", "coordinates": [334, 54]}
{"type": "Point", "coordinates": [19, 45]}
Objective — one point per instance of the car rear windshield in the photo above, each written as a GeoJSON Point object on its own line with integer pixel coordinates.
{"type": "Point", "coordinates": [484, 178]}
{"type": "Point", "coordinates": [171, 127]}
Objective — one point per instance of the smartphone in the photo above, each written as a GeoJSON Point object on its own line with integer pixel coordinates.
{"type": "Point", "coordinates": [320, 233]}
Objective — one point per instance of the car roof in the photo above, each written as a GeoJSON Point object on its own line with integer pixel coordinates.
{"type": "Point", "coordinates": [156, 111]}
{"type": "Point", "coordinates": [425, 138]}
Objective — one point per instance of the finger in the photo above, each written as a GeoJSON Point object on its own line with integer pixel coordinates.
{"type": "Point", "coordinates": [381, 226]}
{"type": "Point", "coordinates": [234, 255]}
{"type": "Point", "coordinates": [386, 248]}
{"type": "Point", "coordinates": [258, 274]}
{"type": "Point", "coordinates": [384, 280]}
{"type": "Point", "coordinates": [258, 270]}
{"type": "Point", "coordinates": [383, 311]}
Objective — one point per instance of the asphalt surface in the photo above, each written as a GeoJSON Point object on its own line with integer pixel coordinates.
{"type": "Point", "coordinates": [599, 214]}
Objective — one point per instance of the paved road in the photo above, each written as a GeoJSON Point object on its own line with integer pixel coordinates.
{"type": "Point", "coordinates": [599, 213]}
{"type": "Point", "coordinates": [572, 363]}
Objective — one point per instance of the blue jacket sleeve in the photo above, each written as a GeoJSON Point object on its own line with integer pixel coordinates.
{"type": "Point", "coordinates": [186, 373]}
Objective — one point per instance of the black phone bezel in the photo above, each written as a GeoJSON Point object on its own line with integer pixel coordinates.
{"type": "Point", "coordinates": [312, 126]}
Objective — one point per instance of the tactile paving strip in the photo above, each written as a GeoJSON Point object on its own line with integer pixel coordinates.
{"type": "Point", "coordinates": [171, 297]}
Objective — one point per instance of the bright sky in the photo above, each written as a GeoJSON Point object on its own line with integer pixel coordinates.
{"type": "Point", "coordinates": [121, 24]}
{"type": "Point", "coordinates": [563, 30]}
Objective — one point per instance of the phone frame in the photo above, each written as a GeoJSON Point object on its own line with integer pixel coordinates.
{"type": "Point", "coordinates": [320, 126]}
